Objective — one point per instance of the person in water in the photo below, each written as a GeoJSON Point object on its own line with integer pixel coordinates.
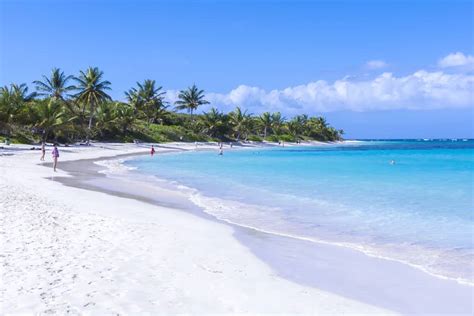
{"type": "Point", "coordinates": [152, 152]}
{"type": "Point", "coordinates": [221, 152]}
{"type": "Point", "coordinates": [55, 154]}
{"type": "Point", "coordinates": [43, 151]}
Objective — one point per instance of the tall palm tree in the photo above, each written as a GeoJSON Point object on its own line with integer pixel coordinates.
{"type": "Point", "coordinates": [91, 93]}
{"type": "Point", "coordinates": [56, 86]}
{"type": "Point", "coordinates": [190, 99]}
{"type": "Point", "coordinates": [147, 99]}
{"type": "Point", "coordinates": [266, 121]}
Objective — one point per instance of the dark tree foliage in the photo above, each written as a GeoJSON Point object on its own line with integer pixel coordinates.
{"type": "Point", "coordinates": [59, 110]}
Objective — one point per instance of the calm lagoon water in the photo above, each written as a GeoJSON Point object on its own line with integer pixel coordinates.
{"type": "Point", "coordinates": [418, 211]}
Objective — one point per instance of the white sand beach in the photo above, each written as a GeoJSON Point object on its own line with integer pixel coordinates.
{"type": "Point", "coordinates": [70, 250]}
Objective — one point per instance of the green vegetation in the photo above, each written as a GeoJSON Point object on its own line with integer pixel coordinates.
{"type": "Point", "coordinates": [65, 112]}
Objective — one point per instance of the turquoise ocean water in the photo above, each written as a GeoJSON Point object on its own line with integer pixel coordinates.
{"type": "Point", "coordinates": [418, 211]}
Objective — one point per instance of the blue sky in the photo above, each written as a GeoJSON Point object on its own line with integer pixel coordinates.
{"type": "Point", "coordinates": [318, 57]}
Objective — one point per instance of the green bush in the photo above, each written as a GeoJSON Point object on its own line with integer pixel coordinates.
{"type": "Point", "coordinates": [255, 138]}
{"type": "Point", "coordinates": [168, 133]}
{"type": "Point", "coordinates": [287, 138]}
{"type": "Point", "coordinates": [280, 138]}
{"type": "Point", "coordinates": [272, 138]}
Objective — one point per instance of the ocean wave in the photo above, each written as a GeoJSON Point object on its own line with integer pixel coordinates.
{"type": "Point", "coordinates": [114, 166]}
{"type": "Point", "coordinates": [270, 221]}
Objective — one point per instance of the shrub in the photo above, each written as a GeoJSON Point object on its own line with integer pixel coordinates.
{"type": "Point", "coordinates": [255, 138]}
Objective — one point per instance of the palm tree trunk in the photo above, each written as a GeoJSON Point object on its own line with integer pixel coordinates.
{"type": "Point", "coordinates": [90, 124]}
{"type": "Point", "coordinates": [265, 132]}
{"type": "Point", "coordinates": [89, 128]}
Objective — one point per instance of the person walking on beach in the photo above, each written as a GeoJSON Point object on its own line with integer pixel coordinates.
{"type": "Point", "coordinates": [152, 152]}
{"type": "Point", "coordinates": [55, 153]}
{"type": "Point", "coordinates": [43, 151]}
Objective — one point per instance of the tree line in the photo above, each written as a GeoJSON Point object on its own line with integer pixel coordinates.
{"type": "Point", "coordinates": [68, 108]}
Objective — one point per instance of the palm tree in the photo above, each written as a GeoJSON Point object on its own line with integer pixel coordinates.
{"type": "Point", "coordinates": [125, 117]}
{"type": "Point", "coordinates": [49, 115]}
{"type": "Point", "coordinates": [240, 122]}
{"type": "Point", "coordinates": [190, 99]}
{"type": "Point", "coordinates": [147, 99]}
{"type": "Point", "coordinates": [317, 128]}
{"type": "Point", "coordinates": [21, 92]}
{"type": "Point", "coordinates": [296, 126]}
{"type": "Point", "coordinates": [321, 121]}
{"type": "Point", "coordinates": [277, 122]}
{"type": "Point", "coordinates": [56, 86]}
{"type": "Point", "coordinates": [266, 121]}
{"type": "Point", "coordinates": [114, 116]}
{"type": "Point", "coordinates": [12, 101]}
{"type": "Point", "coordinates": [213, 122]}
{"type": "Point", "coordinates": [340, 133]}
{"type": "Point", "coordinates": [303, 118]}
{"type": "Point", "coordinates": [91, 92]}
{"type": "Point", "coordinates": [105, 118]}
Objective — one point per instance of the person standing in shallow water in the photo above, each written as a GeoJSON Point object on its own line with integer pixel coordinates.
{"type": "Point", "coordinates": [43, 151]}
{"type": "Point", "coordinates": [152, 152]}
{"type": "Point", "coordinates": [55, 153]}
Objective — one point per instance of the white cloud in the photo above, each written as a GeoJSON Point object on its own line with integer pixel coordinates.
{"type": "Point", "coordinates": [376, 64]}
{"type": "Point", "coordinates": [420, 90]}
{"type": "Point", "coordinates": [457, 60]}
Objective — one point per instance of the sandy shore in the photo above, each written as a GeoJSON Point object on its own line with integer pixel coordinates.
{"type": "Point", "coordinates": [66, 249]}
